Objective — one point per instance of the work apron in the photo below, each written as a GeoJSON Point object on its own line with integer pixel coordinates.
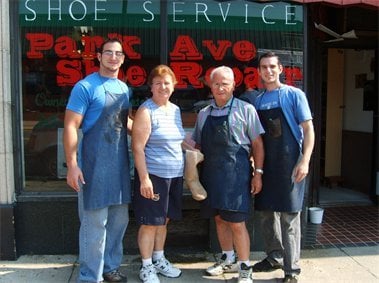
{"type": "Point", "coordinates": [226, 170]}
{"type": "Point", "coordinates": [279, 192]}
{"type": "Point", "coordinates": [105, 156]}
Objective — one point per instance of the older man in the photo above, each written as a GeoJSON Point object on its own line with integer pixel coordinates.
{"type": "Point", "coordinates": [228, 133]}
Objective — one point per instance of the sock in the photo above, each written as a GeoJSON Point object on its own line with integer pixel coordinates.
{"type": "Point", "coordinates": [157, 255]}
{"type": "Point", "coordinates": [147, 261]}
{"type": "Point", "coordinates": [247, 262]}
{"type": "Point", "coordinates": [230, 255]}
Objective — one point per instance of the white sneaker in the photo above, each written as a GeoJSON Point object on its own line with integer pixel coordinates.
{"type": "Point", "coordinates": [164, 267]}
{"type": "Point", "coordinates": [245, 274]}
{"type": "Point", "coordinates": [222, 266]}
{"type": "Point", "coordinates": [148, 274]}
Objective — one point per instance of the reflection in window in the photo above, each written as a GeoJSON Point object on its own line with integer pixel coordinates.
{"type": "Point", "coordinates": [59, 48]}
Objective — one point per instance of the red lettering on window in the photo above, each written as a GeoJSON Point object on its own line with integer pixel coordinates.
{"type": "Point", "coordinates": [136, 75]}
{"type": "Point", "coordinates": [91, 45]}
{"type": "Point", "coordinates": [38, 42]}
{"type": "Point", "coordinates": [219, 52]}
{"type": "Point", "coordinates": [185, 49]}
{"type": "Point", "coordinates": [187, 73]}
{"type": "Point", "coordinates": [68, 72]}
{"type": "Point", "coordinates": [238, 76]}
{"type": "Point", "coordinates": [65, 47]}
{"type": "Point", "coordinates": [244, 50]}
{"type": "Point", "coordinates": [252, 78]}
{"type": "Point", "coordinates": [292, 74]}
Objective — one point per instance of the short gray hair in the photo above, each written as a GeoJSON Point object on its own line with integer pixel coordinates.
{"type": "Point", "coordinates": [222, 69]}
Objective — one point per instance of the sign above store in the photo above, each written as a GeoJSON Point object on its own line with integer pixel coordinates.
{"type": "Point", "coordinates": [181, 14]}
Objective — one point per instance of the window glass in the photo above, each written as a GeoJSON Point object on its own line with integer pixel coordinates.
{"type": "Point", "coordinates": [59, 39]}
{"type": "Point", "coordinates": [206, 34]}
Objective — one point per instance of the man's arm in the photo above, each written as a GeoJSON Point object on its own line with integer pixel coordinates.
{"type": "Point", "coordinates": [72, 123]}
{"type": "Point", "coordinates": [301, 170]}
{"type": "Point", "coordinates": [258, 155]}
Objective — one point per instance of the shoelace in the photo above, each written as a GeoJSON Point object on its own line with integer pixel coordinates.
{"type": "Point", "coordinates": [245, 273]}
{"type": "Point", "coordinates": [165, 265]}
{"type": "Point", "coordinates": [149, 270]}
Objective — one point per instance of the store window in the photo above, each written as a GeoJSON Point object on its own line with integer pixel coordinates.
{"type": "Point", "coordinates": [206, 34]}
{"type": "Point", "coordinates": [59, 39]}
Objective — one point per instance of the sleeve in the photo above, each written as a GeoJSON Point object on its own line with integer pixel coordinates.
{"type": "Point", "coordinates": [255, 127]}
{"type": "Point", "coordinates": [303, 112]}
{"type": "Point", "coordinates": [79, 99]}
{"type": "Point", "coordinates": [201, 117]}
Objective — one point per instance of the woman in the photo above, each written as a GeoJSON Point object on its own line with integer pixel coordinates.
{"type": "Point", "coordinates": [157, 136]}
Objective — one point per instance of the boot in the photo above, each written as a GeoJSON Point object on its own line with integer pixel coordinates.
{"type": "Point", "coordinates": [191, 175]}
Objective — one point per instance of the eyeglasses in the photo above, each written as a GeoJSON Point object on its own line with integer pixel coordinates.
{"type": "Point", "coordinates": [110, 53]}
{"type": "Point", "coordinates": [221, 85]}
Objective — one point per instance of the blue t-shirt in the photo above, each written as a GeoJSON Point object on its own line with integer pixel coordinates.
{"type": "Point", "coordinates": [88, 97]}
{"type": "Point", "coordinates": [294, 104]}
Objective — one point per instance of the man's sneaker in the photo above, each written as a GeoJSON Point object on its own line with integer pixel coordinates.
{"type": "Point", "coordinates": [245, 274]}
{"type": "Point", "coordinates": [290, 279]}
{"type": "Point", "coordinates": [222, 266]}
{"type": "Point", "coordinates": [148, 274]}
{"type": "Point", "coordinates": [164, 267]}
{"type": "Point", "coordinates": [115, 276]}
{"type": "Point", "coordinates": [266, 266]}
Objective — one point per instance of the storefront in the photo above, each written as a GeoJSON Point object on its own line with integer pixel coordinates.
{"type": "Point", "coordinates": [53, 44]}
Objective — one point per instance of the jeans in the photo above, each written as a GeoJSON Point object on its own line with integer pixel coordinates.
{"type": "Point", "coordinates": [100, 240]}
{"type": "Point", "coordinates": [282, 238]}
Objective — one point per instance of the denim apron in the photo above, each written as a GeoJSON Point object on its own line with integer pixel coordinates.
{"type": "Point", "coordinates": [105, 156]}
{"type": "Point", "coordinates": [282, 152]}
{"type": "Point", "coordinates": [226, 170]}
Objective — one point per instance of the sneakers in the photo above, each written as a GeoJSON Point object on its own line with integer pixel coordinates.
{"type": "Point", "coordinates": [148, 274]}
{"type": "Point", "coordinates": [164, 267]}
{"type": "Point", "coordinates": [290, 279]}
{"type": "Point", "coordinates": [266, 266]}
{"type": "Point", "coordinates": [222, 266]}
{"type": "Point", "coordinates": [115, 276]}
{"type": "Point", "coordinates": [245, 274]}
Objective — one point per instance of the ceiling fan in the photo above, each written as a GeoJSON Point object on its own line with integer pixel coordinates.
{"type": "Point", "coordinates": [338, 37]}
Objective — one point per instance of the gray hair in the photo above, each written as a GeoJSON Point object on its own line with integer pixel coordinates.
{"type": "Point", "coordinates": [222, 69]}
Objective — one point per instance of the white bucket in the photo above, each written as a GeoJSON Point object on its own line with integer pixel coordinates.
{"type": "Point", "coordinates": [315, 215]}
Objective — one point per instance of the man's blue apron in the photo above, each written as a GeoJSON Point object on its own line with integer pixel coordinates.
{"type": "Point", "coordinates": [282, 152]}
{"type": "Point", "coordinates": [105, 156]}
{"type": "Point", "coordinates": [226, 170]}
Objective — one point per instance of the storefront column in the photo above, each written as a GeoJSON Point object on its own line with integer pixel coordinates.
{"type": "Point", "coordinates": [7, 186]}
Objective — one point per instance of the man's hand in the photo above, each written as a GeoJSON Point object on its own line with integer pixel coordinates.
{"type": "Point", "coordinates": [256, 184]}
{"type": "Point", "coordinates": [74, 176]}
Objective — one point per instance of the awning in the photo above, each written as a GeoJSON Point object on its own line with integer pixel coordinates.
{"type": "Point", "coordinates": [374, 3]}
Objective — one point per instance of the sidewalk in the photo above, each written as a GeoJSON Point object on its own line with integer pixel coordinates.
{"type": "Point", "coordinates": [355, 264]}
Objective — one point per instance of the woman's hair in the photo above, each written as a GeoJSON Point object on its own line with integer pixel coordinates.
{"type": "Point", "coordinates": [160, 71]}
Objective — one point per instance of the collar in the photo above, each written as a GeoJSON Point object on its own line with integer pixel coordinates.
{"type": "Point", "coordinates": [227, 105]}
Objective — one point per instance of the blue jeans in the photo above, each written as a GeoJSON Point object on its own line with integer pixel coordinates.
{"type": "Point", "coordinates": [281, 232]}
{"type": "Point", "coordinates": [100, 240]}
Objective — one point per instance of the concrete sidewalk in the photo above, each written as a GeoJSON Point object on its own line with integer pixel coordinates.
{"type": "Point", "coordinates": [355, 264]}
